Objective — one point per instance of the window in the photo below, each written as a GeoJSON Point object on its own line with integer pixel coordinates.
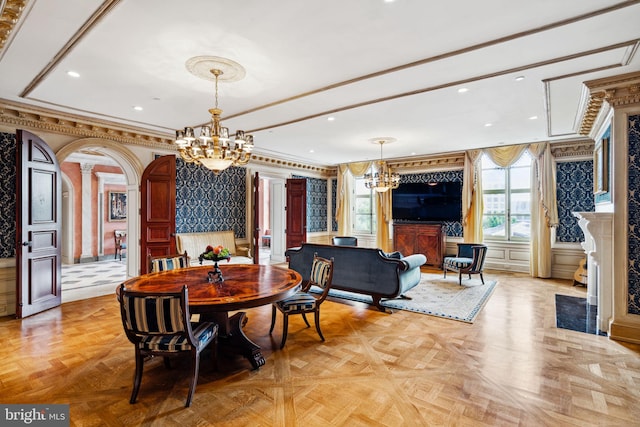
{"type": "Point", "coordinates": [364, 217]}
{"type": "Point", "coordinates": [507, 199]}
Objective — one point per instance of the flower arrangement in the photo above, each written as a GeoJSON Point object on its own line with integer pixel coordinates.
{"type": "Point", "coordinates": [216, 253]}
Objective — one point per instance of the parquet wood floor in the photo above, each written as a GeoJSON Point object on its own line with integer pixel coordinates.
{"type": "Point", "coordinates": [512, 367]}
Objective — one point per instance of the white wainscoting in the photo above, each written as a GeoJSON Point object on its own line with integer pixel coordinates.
{"type": "Point", "coordinates": [514, 256]}
{"type": "Point", "coordinates": [7, 286]}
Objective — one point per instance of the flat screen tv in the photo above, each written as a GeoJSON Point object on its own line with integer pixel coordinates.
{"type": "Point", "coordinates": [434, 201]}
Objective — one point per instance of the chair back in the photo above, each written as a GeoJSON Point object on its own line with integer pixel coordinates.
{"type": "Point", "coordinates": [465, 250]}
{"type": "Point", "coordinates": [321, 275]}
{"type": "Point", "coordinates": [120, 237]}
{"type": "Point", "coordinates": [479, 255]}
{"type": "Point", "coordinates": [168, 262]}
{"type": "Point", "coordinates": [344, 241]}
{"type": "Point", "coordinates": [160, 315]}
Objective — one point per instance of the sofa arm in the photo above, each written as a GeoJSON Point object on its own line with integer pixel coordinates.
{"type": "Point", "coordinates": [413, 261]}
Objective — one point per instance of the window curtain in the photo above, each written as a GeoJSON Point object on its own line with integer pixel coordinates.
{"type": "Point", "coordinates": [472, 201]}
{"type": "Point", "coordinates": [345, 184]}
{"type": "Point", "coordinates": [505, 156]}
{"type": "Point", "coordinates": [383, 214]}
{"type": "Point", "coordinates": [544, 208]}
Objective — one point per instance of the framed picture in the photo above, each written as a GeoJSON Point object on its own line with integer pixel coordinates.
{"type": "Point", "coordinates": [601, 167]}
{"type": "Point", "coordinates": [117, 206]}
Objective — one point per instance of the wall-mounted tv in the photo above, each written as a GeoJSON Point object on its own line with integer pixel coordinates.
{"type": "Point", "coordinates": [433, 201]}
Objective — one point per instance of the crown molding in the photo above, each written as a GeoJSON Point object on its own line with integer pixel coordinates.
{"type": "Point", "coordinates": [573, 150]}
{"type": "Point", "coordinates": [446, 161]}
{"type": "Point", "coordinates": [616, 91]}
{"type": "Point", "coordinates": [10, 12]}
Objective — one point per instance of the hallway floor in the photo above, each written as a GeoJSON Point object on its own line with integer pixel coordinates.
{"type": "Point", "coordinates": [87, 280]}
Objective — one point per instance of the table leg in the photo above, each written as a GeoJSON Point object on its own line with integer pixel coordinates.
{"type": "Point", "coordinates": [232, 338]}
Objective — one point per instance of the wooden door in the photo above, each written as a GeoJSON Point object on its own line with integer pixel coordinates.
{"type": "Point", "coordinates": [158, 210]}
{"type": "Point", "coordinates": [256, 218]}
{"type": "Point", "coordinates": [38, 226]}
{"type": "Point", "coordinates": [296, 212]}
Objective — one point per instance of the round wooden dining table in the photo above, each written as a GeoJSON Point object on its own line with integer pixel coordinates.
{"type": "Point", "coordinates": [244, 286]}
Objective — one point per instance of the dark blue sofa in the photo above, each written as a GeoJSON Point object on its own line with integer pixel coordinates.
{"type": "Point", "coordinates": [362, 270]}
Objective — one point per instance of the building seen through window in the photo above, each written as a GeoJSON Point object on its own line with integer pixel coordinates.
{"type": "Point", "coordinates": [507, 199]}
{"type": "Point", "coordinates": [364, 216]}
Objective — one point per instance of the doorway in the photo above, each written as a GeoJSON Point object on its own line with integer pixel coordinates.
{"type": "Point", "coordinates": [87, 220]}
{"type": "Point", "coordinates": [272, 219]}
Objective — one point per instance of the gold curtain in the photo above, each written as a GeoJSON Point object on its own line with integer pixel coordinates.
{"type": "Point", "coordinates": [383, 214]}
{"type": "Point", "coordinates": [544, 209]}
{"type": "Point", "coordinates": [472, 201]}
{"type": "Point", "coordinates": [505, 156]}
{"type": "Point", "coordinates": [345, 184]}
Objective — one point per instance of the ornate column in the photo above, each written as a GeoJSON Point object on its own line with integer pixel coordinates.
{"type": "Point", "coordinates": [598, 233]}
{"type": "Point", "coordinates": [87, 212]}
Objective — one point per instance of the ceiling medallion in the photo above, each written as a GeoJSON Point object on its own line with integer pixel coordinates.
{"type": "Point", "coordinates": [213, 148]}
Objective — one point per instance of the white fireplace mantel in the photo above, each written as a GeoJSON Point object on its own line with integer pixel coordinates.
{"type": "Point", "coordinates": [598, 232]}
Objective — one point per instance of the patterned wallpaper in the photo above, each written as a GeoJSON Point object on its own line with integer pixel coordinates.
{"type": "Point", "coordinates": [574, 193]}
{"type": "Point", "coordinates": [206, 202]}
{"type": "Point", "coordinates": [633, 205]}
{"type": "Point", "coordinates": [316, 203]}
{"type": "Point", "coordinates": [8, 195]}
{"type": "Point", "coordinates": [452, 228]}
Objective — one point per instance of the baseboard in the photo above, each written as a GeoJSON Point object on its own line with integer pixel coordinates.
{"type": "Point", "coordinates": [624, 332]}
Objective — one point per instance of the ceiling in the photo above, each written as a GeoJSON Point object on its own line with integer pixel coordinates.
{"type": "Point", "coordinates": [379, 68]}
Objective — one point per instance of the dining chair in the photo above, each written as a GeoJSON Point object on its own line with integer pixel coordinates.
{"type": "Point", "coordinates": [469, 260]}
{"type": "Point", "coordinates": [120, 237]}
{"type": "Point", "coordinates": [158, 325]}
{"type": "Point", "coordinates": [303, 301]}
{"type": "Point", "coordinates": [344, 241]}
{"type": "Point", "coordinates": [167, 262]}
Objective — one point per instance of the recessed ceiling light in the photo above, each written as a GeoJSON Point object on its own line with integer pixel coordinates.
{"type": "Point", "coordinates": [331, 118]}
{"type": "Point", "coordinates": [389, 1]}
{"type": "Point", "coordinates": [312, 151]}
{"type": "Point", "coordinates": [487, 125]}
{"type": "Point", "coordinates": [137, 108]}
{"type": "Point", "coordinates": [519, 78]}
{"type": "Point", "coordinates": [533, 118]}
{"type": "Point", "coordinates": [413, 153]}
{"type": "Point", "coordinates": [73, 74]}
{"type": "Point", "coordinates": [463, 90]}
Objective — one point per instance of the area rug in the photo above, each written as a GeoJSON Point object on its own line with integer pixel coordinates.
{"type": "Point", "coordinates": [437, 296]}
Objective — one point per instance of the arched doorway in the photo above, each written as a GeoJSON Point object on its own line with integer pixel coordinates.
{"type": "Point", "coordinates": [132, 169]}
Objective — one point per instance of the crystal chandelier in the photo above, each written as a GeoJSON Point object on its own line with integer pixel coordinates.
{"type": "Point", "coordinates": [213, 148]}
{"type": "Point", "coordinates": [384, 179]}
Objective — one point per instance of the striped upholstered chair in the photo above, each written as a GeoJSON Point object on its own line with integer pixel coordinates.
{"type": "Point", "coordinates": [158, 325]}
{"type": "Point", "coordinates": [304, 302]}
{"type": "Point", "coordinates": [469, 260]}
{"type": "Point", "coordinates": [168, 262]}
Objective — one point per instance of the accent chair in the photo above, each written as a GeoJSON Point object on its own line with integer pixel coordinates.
{"type": "Point", "coordinates": [469, 260]}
